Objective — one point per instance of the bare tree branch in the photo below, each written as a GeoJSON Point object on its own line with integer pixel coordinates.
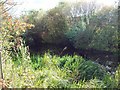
{"type": "Point", "coordinates": [7, 9]}
{"type": "Point", "coordinates": [2, 3]}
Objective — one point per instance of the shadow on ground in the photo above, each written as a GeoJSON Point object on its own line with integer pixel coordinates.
{"type": "Point", "coordinates": [107, 59]}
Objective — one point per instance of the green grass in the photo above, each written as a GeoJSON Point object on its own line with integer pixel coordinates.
{"type": "Point", "coordinates": [49, 71]}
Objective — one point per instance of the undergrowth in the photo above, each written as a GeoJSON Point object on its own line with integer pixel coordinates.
{"type": "Point", "coordinates": [47, 71]}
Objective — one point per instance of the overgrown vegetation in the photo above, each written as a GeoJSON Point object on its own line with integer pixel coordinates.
{"type": "Point", "coordinates": [59, 72]}
{"type": "Point", "coordinates": [93, 28]}
{"type": "Point", "coordinates": [87, 30]}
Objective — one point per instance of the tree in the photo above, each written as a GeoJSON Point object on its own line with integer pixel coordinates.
{"type": "Point", "coordinates": [50, 28]}
{"type": "Point", "coordinates": [100, 33]}
{"type": "Point", "coordinates": [33, 16]}
{"type": "Point", "coordinates": [3, 11]}
{"type": "Point", "coordinates": [10, 31]}
{"type": "Point", "coordinates": [56, 26]}
{"type": "Point", "coordinates": [106, 34]}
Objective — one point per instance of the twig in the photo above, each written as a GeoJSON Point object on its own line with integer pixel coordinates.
{"type": "Point", "coordinates": [63, 50]}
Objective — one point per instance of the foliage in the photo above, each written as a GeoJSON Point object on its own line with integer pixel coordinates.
{"type": "Point", "coordinates": [117, 76]}
{"type": "Point", "coordinates": [19, 70]}
{"type": "Point", "coordinates": [100, 33]}
{"type": "Point", "coordinates": [56, 26]}
{"type": "Point", "coordinates": [81, 69]}
{"type": "Point", "coordinates": [55, 72]}
{"type": "Point", "coordinates": [80, 35]}
{"type": "Point", "coordinates": [33, 16]}
{"type": "Point", "coordinates": [105, 31]}
{"type": "Point", "coordinates": [91, 28]}
{"type": "Point", "coordinates": [49, 29]}
{"type": "Point", "coordinates": [11, 31]}
{"type": "Point", "coordinates": [23, 70]}
{"type": "Point", "coordinates": [10, 35]}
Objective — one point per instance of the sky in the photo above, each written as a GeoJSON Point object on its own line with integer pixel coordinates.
{"type": "Point", "coordinates": [25, 5]}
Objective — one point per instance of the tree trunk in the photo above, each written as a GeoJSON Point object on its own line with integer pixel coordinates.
{"type": "Point", "coordinates": [1, 74]}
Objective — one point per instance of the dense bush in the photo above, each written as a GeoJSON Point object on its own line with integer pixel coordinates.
{"type": "Point", "coordinates": [50, 28]}
{"type": "Point", "coordinates": [56, 26]}
{"type": "Point", "coordinates": [97, 31]}
{"type": "Point", "coordinates": [11, 31]}
{"type": "Point", "coordinates": [101, 32]}
{"type": "Point", "coordinates": [106, 34]}
{"type": "Point", "coordinates": [80, 35]}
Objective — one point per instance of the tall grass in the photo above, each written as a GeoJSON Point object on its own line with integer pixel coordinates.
{"type": "Point", "coordinates": [47, 71]}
